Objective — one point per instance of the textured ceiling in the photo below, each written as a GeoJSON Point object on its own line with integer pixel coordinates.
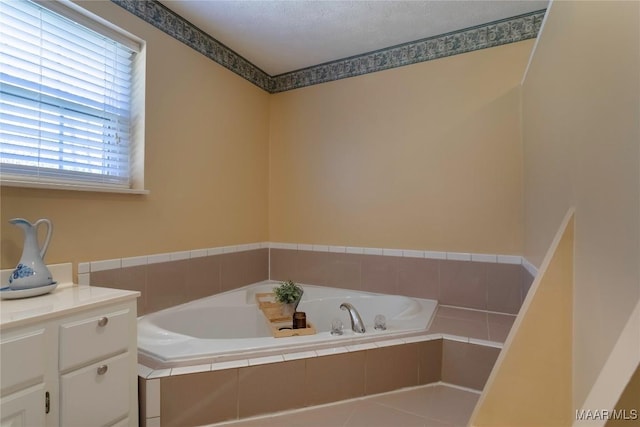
{"type": "Point", "coordinates": [281, 36]}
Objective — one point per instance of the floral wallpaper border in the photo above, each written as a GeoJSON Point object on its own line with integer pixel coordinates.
{"type": "Point", "coordinates": [496, 33]}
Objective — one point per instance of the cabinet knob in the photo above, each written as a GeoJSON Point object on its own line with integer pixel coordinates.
{"type": "Point", "coordinates": [103, 321]}
{"type": "Point", "coordinates": [102, 369]}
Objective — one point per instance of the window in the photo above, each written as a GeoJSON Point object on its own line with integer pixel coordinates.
{"type": "Point", "coordinates": [67, 116]}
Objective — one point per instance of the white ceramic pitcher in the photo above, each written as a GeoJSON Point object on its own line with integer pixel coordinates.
{"type": "Point", "coordinates": [31, 271]}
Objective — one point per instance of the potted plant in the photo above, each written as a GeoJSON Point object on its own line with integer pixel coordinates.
{"type": "Point", "coordinates": [288, 294]}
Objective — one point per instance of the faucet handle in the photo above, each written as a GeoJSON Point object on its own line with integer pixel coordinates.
{"type": "Point", "coordinates": [336, 327]}
{"type": "Point", "coordinates": [380, 322]}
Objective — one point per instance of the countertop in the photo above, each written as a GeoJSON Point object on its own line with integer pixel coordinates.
{"type": "Point", "coordinates": [64, 300]}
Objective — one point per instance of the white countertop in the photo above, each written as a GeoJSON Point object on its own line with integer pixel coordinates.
{"type": "Point", "coordinates": [65, 299]}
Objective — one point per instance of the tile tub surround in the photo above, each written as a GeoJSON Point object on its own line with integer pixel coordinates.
{"type": "Point", "coordinates": [457, 281]}
{"type": "Point", "coordinates": [496, 283]}
{"type": "Point", "coordinates": [172, 282]}
{"type": "Point", "coordinates": [248, 391]}
{"type": "Point", "coordinates": [454, 350]}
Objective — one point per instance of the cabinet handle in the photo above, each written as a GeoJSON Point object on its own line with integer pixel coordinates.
{"type": "Point", "coordinates": [47, 403]}
{"type": "Point", "coordinates": [103, 321]}
{"type": "Point", "coordinates": [102, 369]}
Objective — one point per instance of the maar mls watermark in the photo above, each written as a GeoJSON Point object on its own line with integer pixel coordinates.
{"type": "Point", "coordinates": [607, 414]}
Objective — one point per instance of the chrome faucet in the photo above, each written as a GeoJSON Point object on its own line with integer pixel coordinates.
{"type": "Point", "coordinates": [357, 325]}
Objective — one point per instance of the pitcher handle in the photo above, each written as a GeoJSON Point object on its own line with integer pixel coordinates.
{"type": "Point", "coordinates": [43, 250]}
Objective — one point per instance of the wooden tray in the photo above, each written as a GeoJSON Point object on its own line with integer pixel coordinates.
{"type": "Point", "coordinates": [288, 332]}
{"type": "Point", "coordinates": [280, 326]}
{"type": "Point", "coordinates": [272, 310]}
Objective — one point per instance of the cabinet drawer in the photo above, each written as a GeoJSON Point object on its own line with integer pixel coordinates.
{"type": "Point", "coordinates": [22, 360]}
{"type": "Point", "coordinates": [93, 338]}
{"type": "Point", "coordinates": [96, 395]}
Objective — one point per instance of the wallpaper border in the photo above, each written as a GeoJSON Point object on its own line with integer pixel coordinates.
{"type": "Point", "coordinates": [496, 33]}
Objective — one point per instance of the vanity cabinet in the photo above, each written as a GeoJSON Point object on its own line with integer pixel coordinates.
{"type": "Point", "coordinates": [72, 363]}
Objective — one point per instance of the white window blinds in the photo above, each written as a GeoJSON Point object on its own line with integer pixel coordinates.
{"type": "Point", "coordinates": [65, 100]}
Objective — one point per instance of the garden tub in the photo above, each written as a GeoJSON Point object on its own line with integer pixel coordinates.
{"type": "Point", "coordinates": [231, 326]}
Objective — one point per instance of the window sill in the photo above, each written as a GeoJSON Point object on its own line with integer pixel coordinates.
{"type": "Point", "coordinates": [71, 187]}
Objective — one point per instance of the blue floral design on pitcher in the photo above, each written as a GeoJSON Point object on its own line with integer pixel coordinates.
{"type": "Point", "coordinates": [20, 272]}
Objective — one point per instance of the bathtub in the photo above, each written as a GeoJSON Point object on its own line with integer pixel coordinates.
{"type": "Point", "coordinates": [230, 325]}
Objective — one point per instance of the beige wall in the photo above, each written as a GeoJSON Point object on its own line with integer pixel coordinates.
{"type": "Point", "coordinates": [530, 384]}
{"type": "Point", "coordinates": [426, 156]}
{"type": "Point", "coordinates": [580, 133]}
{"type": "Point", "coordinates": [628, 403]}
{"type": "Point", "coordinates": [206, 166]}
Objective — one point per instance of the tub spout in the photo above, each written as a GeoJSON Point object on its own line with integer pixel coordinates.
{"type": "Point", "coordinates": [357, 325]}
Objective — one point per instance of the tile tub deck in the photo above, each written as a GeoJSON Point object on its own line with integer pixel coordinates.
{"type": "Point", "coordinates": [459, 348]}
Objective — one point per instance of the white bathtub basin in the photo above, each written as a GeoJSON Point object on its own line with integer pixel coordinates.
{"type": "Point", "coordinates": [230, 323]}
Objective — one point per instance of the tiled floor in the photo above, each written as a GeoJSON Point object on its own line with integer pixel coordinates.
{"type": "Point", "coordinates": [434, 405]}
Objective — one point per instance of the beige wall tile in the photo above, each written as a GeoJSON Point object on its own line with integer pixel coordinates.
{"type": "Point", "coordinates": [467, 365]}
{"type": "Point", "coordinates": [504, 284]}
{"type": "Point", "coordinates": [257, 265]}
{"type": "Point", "coordinates": [463, 283]}
{"type": "Point", "coordinates": [233, 273]}
{"type": "Point", "coordinates": [345, 271]}
{"type": "Point", "coordinates": [130, 278]}
{"type": "Point", "coordinates": [283, 264]}
{"type": "Point", "coordinates": [418, 277]}
{"type": "Point", "coordinates": [312, 267]}
{"type": "Point", "coordinates": [142, 393]}
{"type": "Point", "coordinates": [499, 326]}
{"type": "Point", "coordinates": [430, 361]}
{"type": "Point", "coordinates": [460, 327]}
{"type": "Point", "coordinates": [380, 274]}
{"type": "Point", "coordinates": [197, 399]}
{"type": "Point", "coordinates": [391, 368]}
{"type": "Point", "coordinates": [203, 277]}
{"type": "Point", "coordinates": [336, 377]}
{"type": "Point", "coordinates": [270, 388]}
{"type": "Point", "coordinates": [166, 285]}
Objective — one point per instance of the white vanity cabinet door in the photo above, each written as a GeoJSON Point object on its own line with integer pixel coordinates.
{"type": "Point", "coordinates": [22, 359]}
{"type": "Point", "coordinates": [25, 408]}
{"type": "Point", "coordinates": [77, 353]}
{"type": "Point", "coordinates": [96, 395]}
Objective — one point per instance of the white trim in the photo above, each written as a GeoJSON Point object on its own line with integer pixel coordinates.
{"type": "Point", "coordinates": [94, 266]}
{"type": "Point", "coordinates": [484, 258]}
{"type": "Point", "coordinates": [435, 255]}
{"type": "Point", "coordinates": [409, 253]}
{"type": "Point", "coordinates": [199, 253]}
{"type": "Point", "coordinates": [458, 256]}
{"type": "Point", "coordinates": [529, 267]}
{"type": "Point", "coordinates": [92, 21]}
{"type": "Point", "coordinates": [73, 187]}
{"type": "Point", "coordinates": [509, 259]}
{"type": "Point", "coordinates": [108, 264]}
{"type": "Point", "coordinates": [392, 252]}
{"type": "Point", "coordinates": [537, 40]}
{"type": "Point", "coordinates": [355, 250]}
{"type": "Point", "coordinates": [133, 261]}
